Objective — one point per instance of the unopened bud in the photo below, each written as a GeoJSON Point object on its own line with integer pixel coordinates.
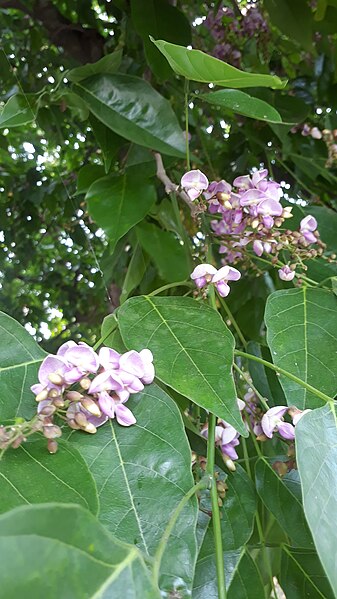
{"type": "Point", "coordinates": [223, 197]}
{"type": "Point", "coordinates": [227, 205]}
{"type": "Point", "coordinates": [52, 431]}
{"type": "Point", "coordinates": [42, 396]}
{"type": "Point", "coordinates": [52, 446]}
{"type": "Point", "coordinates": [53, 393]}
{"type": "Point", "coordinates": [255, 223]}
{"type": "Point", "coordinates": [221, 488]}
{"type": "Point", "coordinates": [280, 467]}
{"type": "Point", "coordinates": [74, 396]}
{"type": "Point", "coordinates": [262, 438]}
{"type": "Point", "coordinates": [91, 406]}
{"type": "Point", "coordinates": [287, 212]}
{"type": "Point", "coordinates": [73, 424]}
{"type": "Point", "coordinates": [58, 402]}
{"type": "Point", "coordinates": [17, 442]}
{"type": "Point", "coordinates": [48, 410]}
{"type": "Point", "coordinates": [278, 221]}
{"type": "Point", "coordinates": [81, 420]}
{"type": "Point", "coordinates": [90, 428]}
{"type": "Point", "coordinates": [85, 383]}
{"type": "Point", "coordinates": [56, 379]}
{"type": "Point", "coordinates": [229, 463]}
{"type": "Point", "coordinates": [333, 256]}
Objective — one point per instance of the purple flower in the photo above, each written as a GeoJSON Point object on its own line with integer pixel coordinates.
{"type": "Point", "coordinates": [113, 407]}
{"type": "Point", "coordinates": [138, 364]}
{"type": "Point", "coordinates": [203, 274]}
{"type": "Point", "coordinates": [51, 374]}
{"type": "Point", "coordinates": [221, 278]}
{"type": "Point", "coordinates": [108, 380]}
{"type": "Point", "coordinates": [194, 183]}
{"type": "Point", "coordinates": [77, 408]}
{"type": "Point", "coordinates": [307, 226]}
{"type": "Point", "coordinates": [258, 247]}
{"type": "Point", "coordinates": [217, 187]}
{"type": "Point", "coordinates": [286, 274]}
{"type": "Point", "coordinates": [272, 421]}
{"type": "Point", "coordinates": [108, 358]}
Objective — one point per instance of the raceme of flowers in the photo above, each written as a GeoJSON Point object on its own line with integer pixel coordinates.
{"type": "Point", "coordinates": [250, 220]}
{"type": "Point", "coordinates": [85, 389]}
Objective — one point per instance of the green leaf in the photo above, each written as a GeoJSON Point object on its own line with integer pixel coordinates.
{"type": "Point", "coordinates": [107, 65]}
{"type": "Point", "coordinates": [54, 550]}
{"type": "Point", "coordinates": [198, 66]}
{"type": "Point", "coordinates": [302, 575]}
{"type": "Point", "coordinates": [316, 444]}
{"type": "Point", "coordinates": [132, 108]}
{"type": "Point", "coordinates": [17, 111]}
{"type": "Point", "coordinates": [87, 175]}
{"type": "Point", "coordinates": [301, 325]}
{"type": "Point", "coordinates": [20, 358]}
{"type": "Point", "coordinates": [30, 474]}
{"type": "Point", "coordinates": [192, 348]}
{"type": "Point", "coordinates": [159, 18]}
{"type": "Point", "coordinates": [241, 574]}
{"type": "Point", "coordinates": [136, 270]}
{"type": "Point", "coordinates": [108, 141]}
{"type": "Point", "coordinates": [142, 473]}
{"type": "Point", "coordinates": [118, 203]}
{"type": "Point", "coordinates": [287, 15]}
{"type": "Point", "coordinates": [265, 380]}
{"type": "Point", "coordinates": [284, 502]}
{"type": "Point", "coordinates": [168, 254]}
{"type": "Point", "coordinates": [242, 103]}
{"type": "Point", "coordinates": [313, 169]}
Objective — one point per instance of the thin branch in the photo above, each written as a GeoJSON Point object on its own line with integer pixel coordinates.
{"type": "Point", "coordinates": [171, 187]}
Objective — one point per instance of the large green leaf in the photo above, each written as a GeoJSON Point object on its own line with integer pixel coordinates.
{"type": "Point", "coordinates": [192, 348]}
{"type": "Point", "coordinates": [284, 502]}
{"type": "Point", "coordinates": [18, 111]}
{"type": "Point", "coordinates": [160, 19]}
{"type": "Point", "coordinates": [241, 574]}
{"type": "Point", "coordinates": [142, 473]}
{"type": "Point", "coordinates": [107, 65]}
{"type": "Point", "coordinates": [168, 254]}
{"type": "Point", "coordinates": [119, 203]}
{"type": "Point", "coordinates": [132, 108]}
{"type": "Point", "coordinates": [30, 474]}
{"type": "Point", "coordinates": [136, 270]}
{"type": "Point", "coordinates": [294, 19]}
{"type": "Point", "coordinates": [54, 551]}
{"type": "Point", "coordinates": [302, 325]}
{"type": "Point", "coordinates": [198, 66]}
{"type": "Point", "coordinates": [302, 575]}
{"type": "Point", "coordinates": [20, 358]}
{"type": "Point", "coordinates": [265, 379]}
{"type": "Point", "coordinates": [242, 103]}
{"type": "Point", "coordinates": [316, 443]}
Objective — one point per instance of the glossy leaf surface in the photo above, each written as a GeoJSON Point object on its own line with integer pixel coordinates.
{"type": "Point", "coordinates": [132, 108]}
{"type": "Point", "coordinates": [107, 65]}
{"type": "Point", "coordinates": [192, 348]}
{"type": "Point", "coordinates": [302, 336]}
{"type": "Point", "coordinates": [54, 550]}
{"type": "Point", "coordinates": [242, 103]}
{"type": "Point", "coordinates": [17, 111]}
{"type": "Point", "coordinates": [302, 575]}
{"type": "Point", "coordinates": [198, 66]}
{"type": "Point", "coordinates": [142, 473]}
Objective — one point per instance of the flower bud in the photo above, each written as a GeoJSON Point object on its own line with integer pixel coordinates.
{"type": "Point", "coordinates": [90, 428]}
{"type": "Point", "coordinates": [73, 424]}
{"type": "Point", "coordinates": [278, 222]}
{"type": "Point", "coordinates": [227, 205]}
{"type": "Point", "coordinates": [229, 463]}
{"type": "Point", "coordinates": [56, 379]}
{"type": "Point", "coordinates": [48, 410]}
{"type": "Point", "coordinates": [91, 406]}
{"type": "Point", "coordinates": [58, 402]}
{"type": "Point", "coordinates": [255, 223]}
{"type": "Point", "coordinates": [17, 442]}
{"type": "Point", "coordinates": [53, 393]}
{"type": "Point", "coordinates": [81, 420]}
{"type": "Point", "coordinates": [85, 383]}
{"type": "Point", "coordinates": [74, 396]}
{"type": "Point", "coordinates": [52, 446]}
{"type": "Point", "coordinates": [52, 431]}
{"type": "Point", "coordinates": [42, 396]}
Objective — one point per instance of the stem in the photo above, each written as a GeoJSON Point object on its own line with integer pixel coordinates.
{"type": "Point", "coordinates": [102, 339]}
{"type": "Point", "coordinates": [233, 321]}
{"type": "Point", "coordinates": [256, 391]}
{"type": "Point", "coordinates": [290, 376]}
{"type": "Point", "coordinates": [219, 558]}
{"type": "Point", "coordinates": [186, 125]}
{"type": "Point", "coordinates": [182, 231]}
{"type": "Point", "coordinates": [170, 286]}
{"type": "Point", "coordinates": [202, 484]}
{"type": "Point", "coordinates": [298, 276]}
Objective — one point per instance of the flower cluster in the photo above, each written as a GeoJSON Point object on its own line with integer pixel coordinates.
{"type": "Point", "coordinates": [230, 31]}
{"type": "Point", "coordinates": [206, 273]}
{"type": "Point", "coordinates": [84, 388]}
{"type": "Point", "coordinates": [250, 218]}
{"type": "Point", "coordinates": [226, 438]}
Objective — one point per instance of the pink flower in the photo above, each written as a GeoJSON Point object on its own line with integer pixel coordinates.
{"type": "Point", "coordinates": [108, 380]}
{"type": "Point", "coordinates": [51, 374]}
{"type": "Point", "coordinates": [112, 408]}
{"type": "Point", "coordinates": [307, 226]}
{"type": "Point", "coordinates": [194, 183]}
{"type": "Point", "coordinates": [272, 421]}
{"type": "Point", "coordinates": [221, 278]}
{"type": "Point", "coordinates": [286, 274]}
{"type": "Point", "coordinates": [108, 358]}
{"type": "Point", "coordinates": [203, 274]}
{"type": "Point", "coordinates": [138, 364]}
{"type": "Point", "coordinates": [258, 247]}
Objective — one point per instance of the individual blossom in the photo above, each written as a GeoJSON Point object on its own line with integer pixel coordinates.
{"type": "Point", "coordinates": [221, 278]}
{"type": "Point", "coordinates": [194, 183]}
{"type": "Point", "coordinates": [82, 360]}
{"type": "Point", "coordinates": [138, 364]}
{"type": "Point", "coordinates": [203, 274]}
{"type": "Point", "coordinates": [297, 414]}
{"type": "Point", "coordinates": [307, 227]}
{"type": "Point", "coordinates": [51, 376]}
{"type": "Point", "coordinates": [286, 273]}
{"type": "Point", "coordinates": [272, 421]}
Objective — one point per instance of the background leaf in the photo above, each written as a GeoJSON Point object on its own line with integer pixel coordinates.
{"type": "Point", "coordinates": [302, 575]}
{"type": "Point", "coordinates": [17, 111]}
{"type": "Point", "coordinates": [132, 108]}
{"type": "Point", "coordinates": [306, 345]}
{"type": "Point", "coordinates": [30, 474]}
{"type": "Point", "coordinates": [20, 358]}
{"type": "Point", "coordinates": [242, 103]}
{"type": "Point", "coordinates": [38, 543]}
{"type": "Point", "coordinates": [287, 16]}
{"type": "Point", "coordinates": [142, 473]}
{"type": "Point", "coordinates": [192, 348]}
{"type": "Point", "coordinates": [107, 65]}
{"type": "Point", "coordinates": [119, 203]}
{"type": "Point", "coordinates": [198, 66]}
{"type": "Point", "coordinates": [316, 443]}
